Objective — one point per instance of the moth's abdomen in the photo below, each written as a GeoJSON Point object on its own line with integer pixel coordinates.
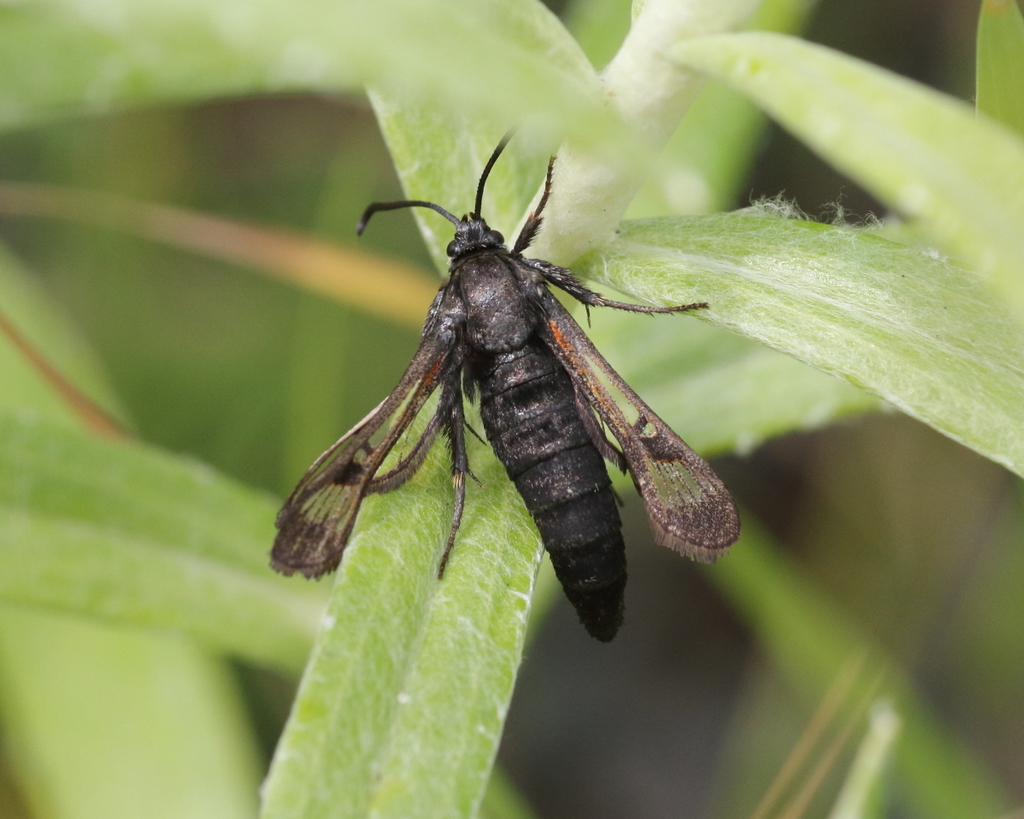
{"type": "Point", "coordinates": [529, 412]}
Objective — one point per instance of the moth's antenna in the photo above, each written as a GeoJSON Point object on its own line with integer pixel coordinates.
{"type": "Point", "coordinates": [405, 203]}
{"type": "Point", "coordinates": [487, 171]}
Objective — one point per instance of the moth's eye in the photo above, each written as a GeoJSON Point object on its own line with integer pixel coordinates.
{"type": "Point", "coordinates": [452, 247]}
{"type": "Point", "coordinates": [495, 236]}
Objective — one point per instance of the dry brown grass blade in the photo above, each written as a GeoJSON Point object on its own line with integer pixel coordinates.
{"type": "Point", "coordinates": [91, 414]}
{"type": "Point", "coordinates": [387, 288]}
{"type": "Point", "coordinates": [828, 755]}
{"type": "Point", "coordinates": [835, 701]}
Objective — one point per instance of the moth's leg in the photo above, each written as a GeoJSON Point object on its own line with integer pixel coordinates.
{"type": "Point", "coordinates": [565, 280]}
{"type": "Point", "coordinates": [607, 449]}
{"type": "Point", "coordinates": [536, 219]}
{"type": "Point", "coordinates": [455, 431]}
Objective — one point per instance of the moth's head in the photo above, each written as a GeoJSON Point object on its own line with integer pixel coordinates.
{"type": "Point", "coordinates": [473, 234]}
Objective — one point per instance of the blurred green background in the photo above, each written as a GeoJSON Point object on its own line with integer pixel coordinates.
{"type": "Point", "coordinates": [914, 538]}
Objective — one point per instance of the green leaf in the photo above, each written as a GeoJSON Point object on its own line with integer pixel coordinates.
{"type": "Point", "coordinates": [72, 56]}
{"type": "Point", "coordinates": [402, 705]}
{"type": "Point", "coordinates": [890, 319]}
{"type": "Point", "coordinates": [502, 800]}
{"type": "Point", "coordinates": [82, 702]}
{"type": "Point", "coordinates": [859, 797]}
{"type": "Point", "coordinates": [36, 337]}
{"type": "Point", "coordinates": [599, 26]}
{"type": "Point", "coordinates": [811, 640]}
{"type": "Point", "coordinates": [959, 177]}
{"type": "Point", "coordinates": [400, 710]}
{"type": "Point", "coordinates": [1000, 63]}
{"type": "Point", "coordinates": [439, 158]}
{"type": "Point", "coordinates": [124, 533]}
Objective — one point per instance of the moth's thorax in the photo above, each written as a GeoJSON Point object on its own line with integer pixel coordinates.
{"type": "Point", "coordinates": [499, 316]}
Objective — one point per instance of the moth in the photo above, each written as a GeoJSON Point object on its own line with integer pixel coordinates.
{"type": "Point", "coordinates": [548, 401]}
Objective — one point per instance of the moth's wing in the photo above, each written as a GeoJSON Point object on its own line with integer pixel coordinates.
{"type": "Point", "coordinates": [689, 508]}
{"type": "Point", "coordinates": [317, 519]}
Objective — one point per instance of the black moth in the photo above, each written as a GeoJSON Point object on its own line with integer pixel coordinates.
{"type": "Point", "coordinates": [496, 332]}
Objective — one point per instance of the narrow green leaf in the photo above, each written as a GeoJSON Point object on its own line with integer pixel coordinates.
{"type": "Point", "coordinates": [810, 640]}
{"type": "Point", "coordinates": [599, 26]}
{"type": "Point", "coordinates": [1000, 63]}
{"type": "Point", "coordinates": [79, 700]}
{"type": "Point", "coordinates": [124, 533]}
{"type": "Point", "coordinates": [439, 158]}
{"type": "Point", "coordinates": [502, 800]}
{"type": "Point", "coordinates": [35, 334]}
{"type": "Point", "coordinates": [859, 797]}
{"type": "Point", "coordinates": [439, 155]}
{"type": "Point", "coordinates": [118, 531]}
{"type": "Point", "coordinates": [119, 724]}
{"type": "Point", "coordinates": [890, 319]}
{"type": "Point", "coordinates": [71, 56]}
{"type": "Point", "coordinates": [960, 177]}
{"type": "Point", "coordinates": [401, 708]}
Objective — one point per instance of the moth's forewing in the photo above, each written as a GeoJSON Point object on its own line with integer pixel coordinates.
{"type": "Point", "coordinates": [317, 519]}
{"type": "Point", "coordinates": [689, 508]}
